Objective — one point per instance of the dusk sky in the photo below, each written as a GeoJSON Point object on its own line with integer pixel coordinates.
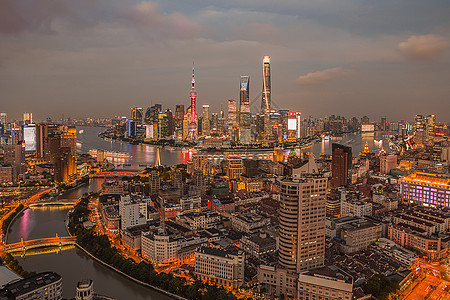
{"type": "Point", "coordinates": [98, 58]}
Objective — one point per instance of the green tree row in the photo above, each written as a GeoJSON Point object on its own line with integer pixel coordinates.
{"type": "Point", "coordinates": [380, 286]}
{"type": "Point", "coordinates": [13, 264]}
{"type": "Point", "coordinates": [10, 218]}
{"type": "Point", "coordinates": [100, 247]}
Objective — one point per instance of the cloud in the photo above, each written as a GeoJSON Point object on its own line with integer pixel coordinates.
{"type": "Point", "coordinates": [424, 47]}
{"type": "Point", "coordinates": [17, 16]}
{"type": "Point", "coordinates": [55, 16]}
{"type": "Point", "coordinates": [318, 77]}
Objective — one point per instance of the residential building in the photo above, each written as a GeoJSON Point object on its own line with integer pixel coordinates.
{"type": "Point", "coordinates": [248, 222]}
{"type": "Point", "coordinates": [224, 268]}
{"type": "Point", "coordinates": [234, 167]}
{"type": "Point", "coordinates": [330, 283]}
{"type": "Point", "coordinates": [341, 165]}
{"type": "Point", "coordinates": [131, 211]}
{"type": "Point", "coordinates": [34, 287]}
{"type": "Point", "coordinates": [388, 163]}
{"type": "Point", "coordinates": [258, 244]}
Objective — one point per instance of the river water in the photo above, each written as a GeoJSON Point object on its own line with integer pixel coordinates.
{"type": "Point", "coordinates": [148, 155]}
{"type": "Point", "coordinates": [73, 264]}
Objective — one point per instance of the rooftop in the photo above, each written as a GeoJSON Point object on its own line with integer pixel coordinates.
{"type": "Point", "coordinates": [24, 286]}
{"type": "Point", "coordinates": [216, 252]}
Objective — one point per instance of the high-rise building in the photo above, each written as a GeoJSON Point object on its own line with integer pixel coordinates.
{"type": "Point", "coordinates": [266, 96]}
{"type": "Point", "coordinates": [430, 125]}
{"type": "Point", "coordinates": [165, 123]}
{"type": "Point", "coordinates": [3, 118]}
{"type": "Point", "coordinates": [59, 151]}
{"type": "Point", "coordinates": [69, 139]}
{"type": "Point", "coordinates": [27, 118]}
{"type": "Point", "coordinates": [137, 114]}
{"type": "Point", "coordinates": [302, 220]}
{"type": "Point", "coordinates": [42, 132]}
{"type": "Point", "coordinates": [179, 115]}
{"type": "Point", "coordinates": [232, 122]}
{"type": "Point", "coordinates": [302, 229]}
{"type": "Point", "coordinates": [14, 155]}
{"type": "Point", "coordinates": [155, 182]}
{"type": "Point", "coordinates": [130, 212]}
{"type": "Point", "coordinates": [65, 165]}
{"type": "Point", "coordinates": [388, 163]}
{"type": "Point", "coordinates": [198, 179]}
{"type": "Point", "coordinates": [383, 125]}
{"type": "Point", "coordinates": [206, 126]}
{"type": "Point", "coordinates": [131, 128]}
{"type": "Point", "coordinates": [192, 135]}
{"type": "Point", "coordinates": [214, 123]}
{"type": "Point", "coordinates": [341, 165]}
{"type": "Point", "coordinates": [177, 179]}
{"type": "Point", "coordinates": [234, 167]}
{"type": "Point", "coordinates": [245, 118]}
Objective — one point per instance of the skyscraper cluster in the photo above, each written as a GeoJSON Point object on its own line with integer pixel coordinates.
{"type": "Point", "coordinates": [41, 144]}
{"type": "Point", "coordinates": [240, 125]}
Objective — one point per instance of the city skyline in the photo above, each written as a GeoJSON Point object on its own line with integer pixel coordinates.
{"type": "Point", "coordinates": [352, 60]}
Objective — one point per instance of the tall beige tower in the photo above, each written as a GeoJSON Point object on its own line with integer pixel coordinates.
{"type": "Point", "coordinates": [302, 219]}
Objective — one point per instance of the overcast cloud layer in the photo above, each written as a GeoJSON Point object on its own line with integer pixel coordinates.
{"type": "Point", "coordinates": [98, 58]}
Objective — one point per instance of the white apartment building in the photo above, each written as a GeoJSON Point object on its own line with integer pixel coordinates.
{"type": "Point", "coordinates": [328, 283]}
{"type": "Point", "coordinates": [225, 268]}
{"type": "Point", "coordinates": [200, 220]}
{"type": "Point", "coordinates": [159, 248]}
{"type": "Point", "coordinates": [130, 211]}
{"type": "Point", "coordinates": [357, 208]}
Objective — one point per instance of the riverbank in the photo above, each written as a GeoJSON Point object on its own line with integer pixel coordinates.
{"type": "Point", "coordinates": [100, 248]}
{"type": "Point", "coordinates": [172, 144]}
{"type": "Point", "coordinates": [129, 277]}
{"type": "Point", "coordinates": [14, 215]}
{"type": "Point", "coordinates": [66, 222]}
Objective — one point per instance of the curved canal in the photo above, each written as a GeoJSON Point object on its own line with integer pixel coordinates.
{"type": "Point", "coordinates": [73, 264]}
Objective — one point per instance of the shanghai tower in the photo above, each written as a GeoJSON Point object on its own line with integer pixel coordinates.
{"type": "Point", "coordinates": [266, 97]}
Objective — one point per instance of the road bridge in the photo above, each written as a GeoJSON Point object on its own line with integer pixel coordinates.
{"type": "Point", "coordinates": [37, 243]}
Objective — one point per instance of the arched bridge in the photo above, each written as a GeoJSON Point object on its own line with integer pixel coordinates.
{"type": "Point", "coordinates": [44, 242]}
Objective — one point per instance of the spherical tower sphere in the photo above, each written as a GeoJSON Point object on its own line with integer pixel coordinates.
{"type": "Point", "coordinates": [193, 93]}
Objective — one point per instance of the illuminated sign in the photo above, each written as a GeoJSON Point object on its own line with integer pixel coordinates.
{"type": "Point", "coordinates": [292, 124]}
{"type": "Point", "coordinates": [439, 134]}
{"type": "Point", "coordinates": [149, 131]}
{"type": "Point", "coordinates": [29, 136]}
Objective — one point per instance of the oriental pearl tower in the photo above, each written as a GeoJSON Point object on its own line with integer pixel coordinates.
{"type": "Point", "coordinates": [192, 134]}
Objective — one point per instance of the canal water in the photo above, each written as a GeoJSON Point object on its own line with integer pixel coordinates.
{"type": "Point", "coordinates": [73, 264]}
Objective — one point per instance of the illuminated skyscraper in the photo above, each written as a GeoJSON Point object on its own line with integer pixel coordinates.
{"type": "Point", "coordinates": [137, 114]}
{"type": "Point", "coordinates": [27, 118]}
{"type": "Point", "coordinates": [192, 135]}
{"type": "Point", "coordinates": [179, 116]}
{"type": "Point", "coordinates": [3, 118]}
{"type": "Point", "coordinates": [232, 123]}
{"type": "Point", "coordinates": [206, 126]}
{"type": "Point", "coordinates": [244, 110]}
{"type": "Point", "coordinates": [266, 96]}
{"type": "Point", "coordinates": [341, 165]}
